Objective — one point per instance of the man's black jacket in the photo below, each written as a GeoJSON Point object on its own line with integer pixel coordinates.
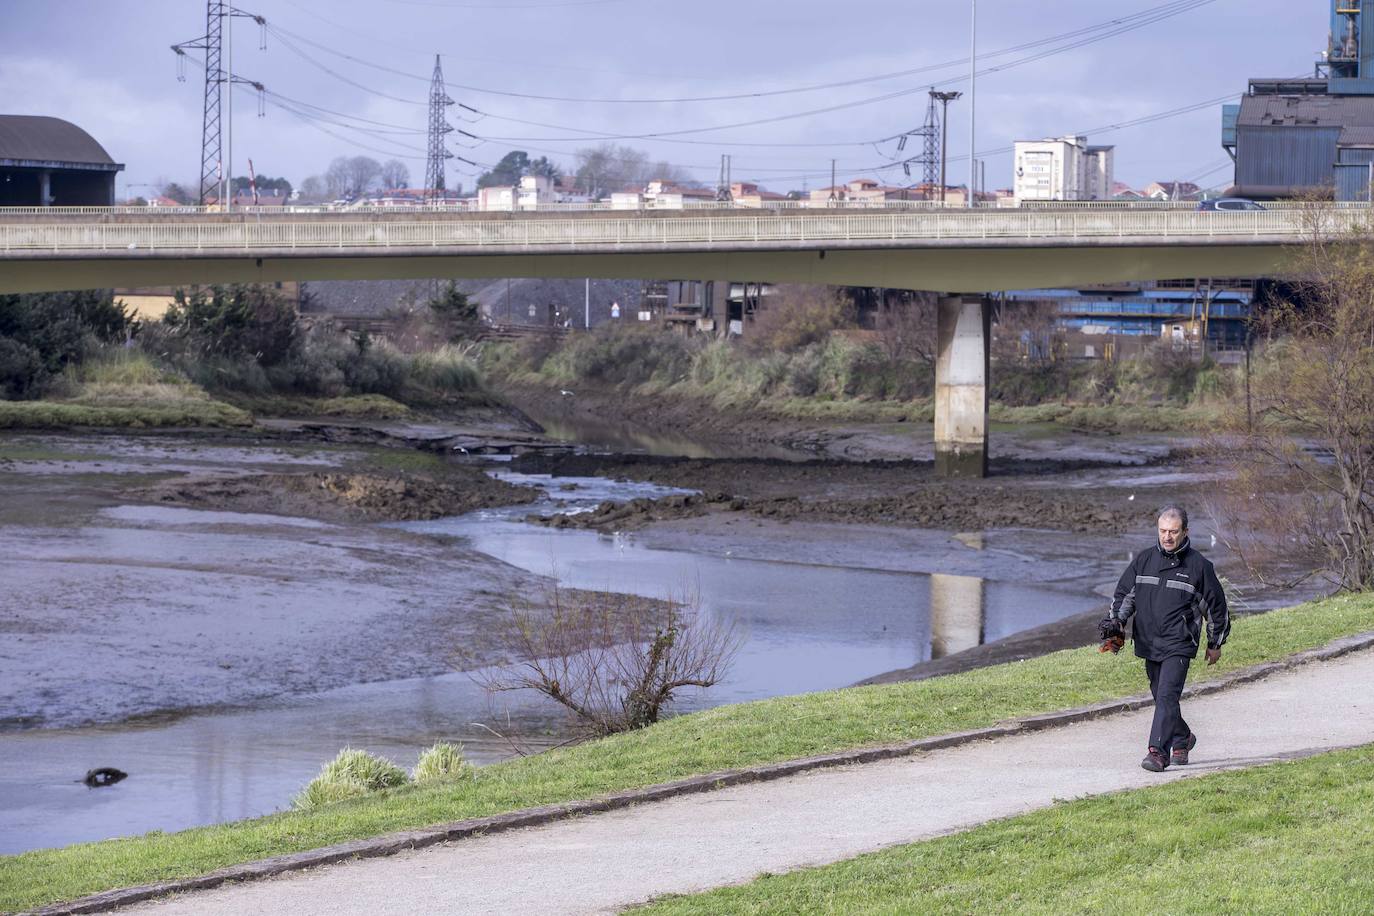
{"type": "Point", "coordinates": [1169, 594]}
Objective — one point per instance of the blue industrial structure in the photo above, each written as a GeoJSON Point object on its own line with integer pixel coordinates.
{"type": "Point", "coordinates": [1153, 310]}
{"type": "Point", "coordinates": [1290, 137]}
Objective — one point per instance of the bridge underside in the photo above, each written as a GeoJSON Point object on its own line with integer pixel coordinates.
{"type": "Point", "coordinates": [946, 269]}
{"type": "Point", "coordinates": [972, 266]}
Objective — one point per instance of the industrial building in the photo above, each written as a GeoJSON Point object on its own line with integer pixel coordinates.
{"type": "Point", "coordinates": [1212, 313]}
{"type": "Point", "coordinates": [48, 162]}
{"type": "Point", "coordinates": [1293, 137]}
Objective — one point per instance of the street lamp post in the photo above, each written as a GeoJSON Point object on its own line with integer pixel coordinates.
{"type": "Point", "coordinates": [972, 99]}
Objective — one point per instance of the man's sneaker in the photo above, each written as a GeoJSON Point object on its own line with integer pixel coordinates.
{"type": "Point", "coordinates": [1155, 761]}
{"type": "Point", "coordinates": [1179, 756]}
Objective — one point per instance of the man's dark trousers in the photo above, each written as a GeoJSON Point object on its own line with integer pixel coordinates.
{"type": "Point", "coordinates": [1166, 686]}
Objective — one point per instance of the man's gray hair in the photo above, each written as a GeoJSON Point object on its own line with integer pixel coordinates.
{"type": "Point", "coordinates": [1177, 512]}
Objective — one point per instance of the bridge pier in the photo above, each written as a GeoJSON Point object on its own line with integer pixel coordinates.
{"type": "Point", "coordinates": [961, 386]}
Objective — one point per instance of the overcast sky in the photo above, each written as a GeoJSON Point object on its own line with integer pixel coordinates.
{"type": "Point", "coordinates": [106, 65]}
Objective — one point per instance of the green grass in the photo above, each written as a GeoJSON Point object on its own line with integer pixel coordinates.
{"type": "Point", "coordinates": [717, 739]}
{"type": "Point", "coordinates": [62, 414]}
{"type": "Point", "coordinates": [1286, 838]}
{"type": "Point", "coordinates": [360, 406]}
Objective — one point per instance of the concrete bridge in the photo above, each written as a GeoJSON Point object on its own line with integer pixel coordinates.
{"type": "Point", "coordinates": [964, 253]}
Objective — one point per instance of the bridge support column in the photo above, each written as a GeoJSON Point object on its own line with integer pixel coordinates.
{"type": "Point", "coordinates": [961, 386]}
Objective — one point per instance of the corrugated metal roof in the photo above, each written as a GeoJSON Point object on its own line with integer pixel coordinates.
{"type": "Point", "coordinates": [1306, 111]}
{"type": "Point", "coordinates": [1358, 135]}
{"type": "Point", "coordinates": [37, 138]}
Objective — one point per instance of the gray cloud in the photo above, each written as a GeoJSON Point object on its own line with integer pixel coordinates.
{"type": "Point", "coordinates": [105, 64]}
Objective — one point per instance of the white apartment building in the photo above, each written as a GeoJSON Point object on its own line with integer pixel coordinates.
{"type": "Point", "coordinates": [1062, 169]}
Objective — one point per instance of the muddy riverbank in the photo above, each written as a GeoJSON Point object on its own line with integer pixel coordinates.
{"type": "Point", "coordinates": [1021, 493]}
{"type": "Point", "coordinates": [151, 575]}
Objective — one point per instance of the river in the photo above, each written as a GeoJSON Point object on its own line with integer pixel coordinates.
{"type": "Point", "coordinates": [808, 625]}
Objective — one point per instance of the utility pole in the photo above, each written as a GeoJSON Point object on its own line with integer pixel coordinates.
{"type": "Point", "coordinates": [438, 128]}
{"type": "Point", "coordinates": [832, 180]}
{"type": "Point", "coordinates": [944, 98]}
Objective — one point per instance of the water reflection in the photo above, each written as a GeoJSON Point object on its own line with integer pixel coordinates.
{"type": "Point", "coordinates": [631, 438]}
{"type": "Point", "coordinates": [958, 607]}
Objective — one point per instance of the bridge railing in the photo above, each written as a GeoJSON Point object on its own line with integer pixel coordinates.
{"type": "Point", "coordinates": [771, 230]}
{"type": "Point", "coordinates": [746, 205]}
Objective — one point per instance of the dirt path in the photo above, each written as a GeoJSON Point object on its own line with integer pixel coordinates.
{"type": "Point", "coordinates": [605, 862]}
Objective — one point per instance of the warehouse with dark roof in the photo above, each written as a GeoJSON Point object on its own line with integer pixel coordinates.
{"type": "Point", "coordinates": [48, 162]}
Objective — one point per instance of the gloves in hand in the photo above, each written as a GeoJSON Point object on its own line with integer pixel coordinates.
{"type": "Point", "coordinates": [1113, 635]}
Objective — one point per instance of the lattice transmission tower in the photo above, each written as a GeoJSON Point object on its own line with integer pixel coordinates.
{"type": "Point", "coordinates": [932, 137]}
{"type": "Point", "coordinates": [214, 177]}
{"type": "Point", "coordinates": [438, 129]}
{"type": "Point", "coordinates": [211, 145]}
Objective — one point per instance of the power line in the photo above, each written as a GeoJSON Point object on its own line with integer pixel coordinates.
{"type": "Point", "coordinates": [758, 122]}
{"type": "Point", "coordinates": [1112, 27]}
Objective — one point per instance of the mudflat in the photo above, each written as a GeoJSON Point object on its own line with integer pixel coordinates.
{"type": "Point", "coordinates": [152, 575]}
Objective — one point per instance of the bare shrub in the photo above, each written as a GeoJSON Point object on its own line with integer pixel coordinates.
{"type": "Point", "coordinates": [796, 316]}
{"type": "Point", "coordinates": [1299, 492]}
{"type": "Point", "coordinates": [616, 662]}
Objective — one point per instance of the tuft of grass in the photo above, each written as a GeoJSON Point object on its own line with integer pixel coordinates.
{"type": "Point", "coordinates": [1284, 838]}
{"type": "Point", "coordinates": [448, 369]}
{"type": "Point", "coordinates": [442, 763]}
{"type": "Point", "coordinates": [727, 737]}
{"type": "Point", "coordinates": [124, 367]}
{"type": "Point", "coordinates": [351, 774]}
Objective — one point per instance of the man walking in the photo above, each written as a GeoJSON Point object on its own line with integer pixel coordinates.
{"type": "Point", "coordinates": [1168, 589]}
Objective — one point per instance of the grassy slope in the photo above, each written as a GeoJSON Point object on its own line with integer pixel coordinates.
{"type": "Point", "coordinates": [1286, 838]}
{"type": "Point", "coordinates": [717, 739]}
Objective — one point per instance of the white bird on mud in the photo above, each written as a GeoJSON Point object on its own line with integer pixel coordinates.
{"type": "Point", "coordinates": [565, 392]}
{"type": "Point", "coordinates": [1131, 498]}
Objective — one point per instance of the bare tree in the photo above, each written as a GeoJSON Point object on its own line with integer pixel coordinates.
{"type": "Point", "coordinates": [906, 325]}
{"type": "Point", "coordinates": [1299, 492]}
{"type": "Point", "coordinates": [313, 189]}
{"type": "Point", "coordinates": [336, 177]}
{"type": "Point", "coordinates": [363, 173]}
{"type": "Point", "coordinates": [395, 174]}
{"type": "Point", "coordinates": [610, 167]}
{"type": "Point", "coordinates": [616, 662]}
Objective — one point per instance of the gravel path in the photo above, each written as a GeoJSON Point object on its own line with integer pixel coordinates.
{"type": "Point", "coordinates": [605, 862]}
